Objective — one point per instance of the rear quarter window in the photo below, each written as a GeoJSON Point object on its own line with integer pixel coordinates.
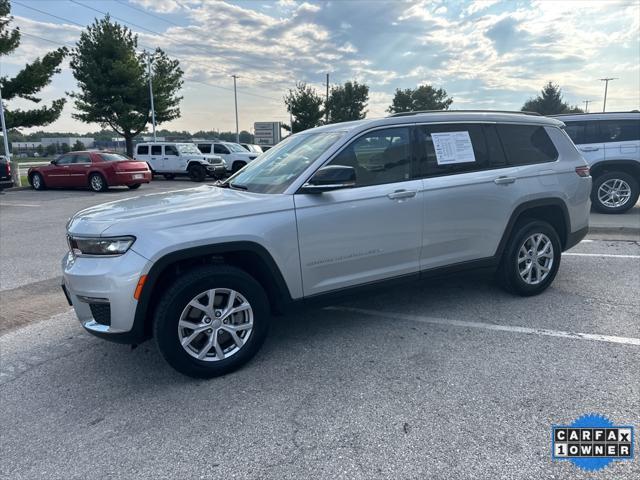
{"type": "Point", "coordinates": [526, 144]}
{"type": "Point", "coordinates": [619, 130]}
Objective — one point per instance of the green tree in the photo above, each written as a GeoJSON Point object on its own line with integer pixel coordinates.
{"type": "Point", "coordinates": [40, 150]}
{"type": "Point", "coordinates": [549, 102]}
{"type": "Point", "coordinates": [64, 148]}
{"type": "Point", "coordinates": [30, 80]}
{"type": "Point", "coordinates": [113, 81]}
{"type": "Point", "coordinates": [78, 146]}
{"type": "Point", "coordinates": [347, 102]}
{"type": "Point", "coordinates": [425, 97]}
{"type": "Point", "coordinates": [305, 105]}
{"type": "Point", "coordinates": [50, 150]}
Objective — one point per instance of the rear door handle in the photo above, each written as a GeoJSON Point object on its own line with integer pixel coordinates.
{"type": "Point", "coordinates": [504, 180]}
{"type": "Point", "coordinates": [398, 194]}
{"type": "Point", "coordinates": [589, 149]}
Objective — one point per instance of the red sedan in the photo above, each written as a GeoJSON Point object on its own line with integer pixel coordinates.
{"type": "Point", "coordinates": [96, 170]}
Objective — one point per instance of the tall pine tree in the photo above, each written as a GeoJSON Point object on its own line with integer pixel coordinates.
{"type": "Point", "coordinates": [549, 102]}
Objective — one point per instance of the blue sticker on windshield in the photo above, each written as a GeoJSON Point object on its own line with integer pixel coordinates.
{"type": "Point", "coordinates": [592, 442]}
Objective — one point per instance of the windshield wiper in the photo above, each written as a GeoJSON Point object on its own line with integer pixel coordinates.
{"type": "Point", "coordinates": [237, 186]}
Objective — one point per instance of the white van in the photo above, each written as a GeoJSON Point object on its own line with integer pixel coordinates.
{"type": "Point", "coordinates": [171, 159]}
{"type": "Point", "coordinates": [232, 153]}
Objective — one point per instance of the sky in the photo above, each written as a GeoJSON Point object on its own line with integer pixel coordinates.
{"type": "Point", "coordinates": [486, 54]}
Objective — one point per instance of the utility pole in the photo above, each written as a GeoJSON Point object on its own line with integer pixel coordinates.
{"type": "Point", "coordinates": [153, 110]}
{"type": "Point", "coordinates": [326, 103]}
{"type": "Point", "coordinates": [15, 171]}
{"type": "Point", "coordinates": [586, 105]}
{"type": "Point", "coordinates": [606, 86]}
{"type": "Point", "coordinates": [235, 95]}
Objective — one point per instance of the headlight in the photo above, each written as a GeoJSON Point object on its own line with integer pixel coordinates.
{"type": "Point", "coordinates": [100, 246]}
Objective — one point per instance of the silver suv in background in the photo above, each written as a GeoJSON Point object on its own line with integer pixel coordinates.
{"type": "Point", "coordinates": [610, 143]}
{"type": "Point", "coordinates": [328, 211]}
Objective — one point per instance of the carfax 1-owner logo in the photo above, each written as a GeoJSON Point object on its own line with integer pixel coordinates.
{"type": "Point", "coordinates": [592, 442]}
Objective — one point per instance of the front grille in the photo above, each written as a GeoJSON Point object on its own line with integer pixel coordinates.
{"type": "Point", "coordinates": [101, 313]}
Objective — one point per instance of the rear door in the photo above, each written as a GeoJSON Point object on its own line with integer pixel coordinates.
{"type": "Point", "coordinates": [370, 232]}
{"type": "Point", "coordinates": [621, 139]}
{"type": "Point", "coordinates": [469, 192]}
{"type": "Point", "coordinates": [586, 136]}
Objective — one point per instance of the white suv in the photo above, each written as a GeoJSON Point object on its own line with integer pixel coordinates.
{"type": "Point", "coordinates": [324, 212]}
{"type": "Point", "coordinates": [233, 153]}
{"type": "Point", "coordinates": [171, 159]}
{"type": "Point", "coordinates": [610, 143]}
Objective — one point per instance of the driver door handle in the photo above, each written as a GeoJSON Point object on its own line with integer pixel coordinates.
{"type": "Point", "coordinates": [398, 194]}
{"type": "Point", "coordinates": [504, 180]}
{"type": "Point", "coordinates": [589, 149]}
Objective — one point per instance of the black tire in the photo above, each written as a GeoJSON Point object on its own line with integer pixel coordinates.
{"type": "Point", "coordinates": [134, 186]}
{"type": "Point", "coordinates": [508, 272]}
{"type": "Point", "coordinates": [169, 176]}
{"type": "Point", "coordinates": [237, 166]}
{"type": "Point", "coordinates": [39, 183]}
{"type": "Point", "coordinates": [97, 183]}
{"type": "Point", "coordinates": [624, 177]}
{"type": "Point", "coordinates": [176, 298]}
{"type": "Point", "coordinates": [197, 173]}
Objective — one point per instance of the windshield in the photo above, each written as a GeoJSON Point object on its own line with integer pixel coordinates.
{"type": "Point", "coordinates": [278, 167]}
{"type": "Point", "coordinates": [188, 148]}
{"type": "Point", "coordinates": [234, 147]}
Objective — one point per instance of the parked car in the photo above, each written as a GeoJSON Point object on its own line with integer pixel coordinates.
{"type": "Point", "coordinates": [171, 159]}
{"type": "Point", "coordinates": [327, 211]}
{"type": "Point", "coordinates": [235, 156]}
{"type": "Point", "coordinates": [5, 173]}
{"type": "Point", "coordinates": [251, 147]}
{"type": "Point", "coordinates": [93, 169]}
{"type": "Point", "coordinates": [610, 143]}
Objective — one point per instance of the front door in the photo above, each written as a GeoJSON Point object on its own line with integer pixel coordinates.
{"type": "Point", "coordinates": [79, 170]}
{"type": "Point", "coordinates": [367, 233]}
{"type": "Point", "coordinates": [57, 174]}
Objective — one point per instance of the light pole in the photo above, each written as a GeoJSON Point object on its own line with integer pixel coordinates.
{"type": "Point", "coordinates": [586, 105]}
{"type": "Point", "coordinates": [235, 96]}
{"type": "Point", "coordinates": [153, 110]}
{"type": "Point", "coordinates": [15, 171]}
{"type": "Point", "coordinates": [606, 86]}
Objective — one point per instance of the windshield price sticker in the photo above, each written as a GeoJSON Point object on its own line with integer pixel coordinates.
{"type": "Point", "coordinates": [453, 147]}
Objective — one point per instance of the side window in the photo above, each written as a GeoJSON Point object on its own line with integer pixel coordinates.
{"type": "Point", "coordinates": [378, 157]}
{"type": "Point", "coordinates": [494, 147]}
{"type": "Point", "coordinates": [452, 148]}
{"type": "Point", "coordinates": [170, 150]}
{"type": "Point", "coordinates": [204, 147]}
{"type": "Point", "coordinates": [156, 149]}
{"type": "Point", "coordinates": [526, 144]}
{"type": "Point", "coordinates": [64, 160]}
{"type": "Point", "coordinates": [219, 148]}
{"type": "Point", "coordinates": [583, 132]}
{"type": "Point", "coordinates": [143, 150]}
{"type": "Point", "coordinates": [620, 130]}
{"type": "Point", "coordinates": [84, 158]}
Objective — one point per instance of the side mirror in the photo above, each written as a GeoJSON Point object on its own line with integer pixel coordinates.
{"type": "Point", "coordinates": [53, 162]}
{"type": "Point", "coordinates": [331, 177]}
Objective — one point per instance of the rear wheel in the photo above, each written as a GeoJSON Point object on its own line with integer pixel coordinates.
{"type": "Point", "coordinates": [37, 182]}
{"type": "Point", "coordinates": [614, 192]}
{"type": "Point", "coordinates": [197, 172]}
{"type": "Point", "coordinates": [134, 186]}
{"type": "Point", "coordinates": [237, 166]}
{"type": "Point", "coordinates": [531, 259]}
{"type": "Point", "coordinates": [97, 183]}
{"type": "Point", "coordinates": [211, 321]}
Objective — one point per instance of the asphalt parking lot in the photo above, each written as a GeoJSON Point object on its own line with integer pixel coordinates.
{"type": "Point", "coordinates": [451, 378]}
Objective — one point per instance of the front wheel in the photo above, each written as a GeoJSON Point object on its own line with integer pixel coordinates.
{"type": "Point", "coordinates": [97, 183]}
{"type": "Point", "coordinates": [37, 182]}
{"type": "Point", "coordinates": [211, 321]}
{"type": "Point", "coordinates": [197, 173]}
{"type": "Point", "coordinates": [237, 166]}
{"type": "Point", "coordinates": [531, 258]}
{"type": "Point", "coordinates": [614, 192]}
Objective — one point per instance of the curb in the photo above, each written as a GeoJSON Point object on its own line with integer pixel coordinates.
{"type": "Point", "coordinates": [614, 230]}
{"type": "Point", "coordinates": [17, 189]}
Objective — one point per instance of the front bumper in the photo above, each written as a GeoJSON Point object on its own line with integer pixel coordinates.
{"type": "Point", "coordinates": [111, 281]}
{"type": "Point", "coordinates": [217, 170]}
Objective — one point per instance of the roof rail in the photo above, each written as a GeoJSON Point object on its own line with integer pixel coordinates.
{"type": "Point", "coordinates": [590, 113]}
{"type": "Point", "coordinates": [418, 112]}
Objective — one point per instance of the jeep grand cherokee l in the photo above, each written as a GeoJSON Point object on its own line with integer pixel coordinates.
{"type": "Point", "coordinates": [327, 210]}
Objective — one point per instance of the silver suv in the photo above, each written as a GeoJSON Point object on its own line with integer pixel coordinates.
{"type": "Point", "coordinates": [325, 211]}
{"type": "Point", "coordinates": [610, 143]}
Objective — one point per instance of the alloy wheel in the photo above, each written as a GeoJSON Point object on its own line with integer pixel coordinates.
{"type": "Point", "coordinates": [535, 258]}
{"type": "Point", "coordinates": [614, 193]}
{"type": "Point", "coordinates": [97, 183]}
{"type": "Point", "coordinates": [215, 324]}
{"type": "Point", "coordinates": [36, 182]}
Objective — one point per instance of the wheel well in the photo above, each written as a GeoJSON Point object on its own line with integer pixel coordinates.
{"type": "Point", "coordinates": [248, 260]}
{"type": "Point", "coordinates": [235, 162]}
{"type": "Point", "coordinates": [630, 167]}
{"type": "Point", "coordinates": [551, 214]}
{"type": "Point", "coordinates": [193, 162]}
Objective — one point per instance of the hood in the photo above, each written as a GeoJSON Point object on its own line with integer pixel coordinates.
{"type": "Point", "coordinates": [174, 209]}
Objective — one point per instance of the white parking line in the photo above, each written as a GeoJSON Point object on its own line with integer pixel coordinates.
{"type": "Point", "coordinates": [605, 255]}
{"type": "Point", "coordinates": [490, 326]}
{"type": "Point", "coordinates": [18, 204]}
